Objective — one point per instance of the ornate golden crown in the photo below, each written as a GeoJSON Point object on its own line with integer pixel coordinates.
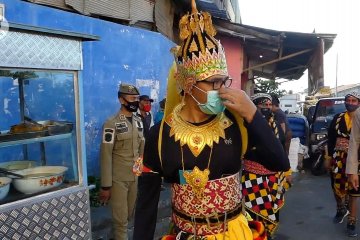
{"type": "Point", "coordinates": [200, 55]}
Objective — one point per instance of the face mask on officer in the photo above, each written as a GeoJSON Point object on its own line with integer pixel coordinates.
{"type": "Point", "coordinates": [131, 106]}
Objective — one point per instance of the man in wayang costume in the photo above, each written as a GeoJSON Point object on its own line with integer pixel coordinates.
{"type": "Point", "coordinates": [198, 147]}
{"type": "Point", "coordinates": [338, 144]}
{"type": "Point", "coordinates": [281, 118]}
{"type": "Point", "coordinates": [263, 189]}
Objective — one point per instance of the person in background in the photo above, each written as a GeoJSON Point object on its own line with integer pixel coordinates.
{"type": "Point", "coordinates": [198, 148]}
{"type": "Point", "coordinates": [281, 118]}
{"type": "Point", "coordinates": [263, 189]}
{"type": "Point", "coordinates": [352, 169]}
{"type": "Point", "coordinates": [338, 143]}
{"type": "Point", "coordinates": [122, 145]}
{"type": "Point", "coordinates": [145, 113]}
{"type": "Point", "coordinates": [158, 117]}
{"type": "Point", "coordinates": [160, 114]}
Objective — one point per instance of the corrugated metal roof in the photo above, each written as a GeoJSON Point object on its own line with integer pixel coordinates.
{"type": "Point", "coordinates": [54, 3]}
{"type": "Point", "coordinates": [217, 8]}
{"type": "Point", "coordinates": [109, 8]}
{"type": "Point", "coordinates": [77, 5]}
{"type": "Point", "coordinates": [164, 17]}
{"type": "Point", "coordinates": [275, 54]}
{"type": "Point", "coordinates": [129, 10]}
{"type": "Point", "coordinates": [141, 10]}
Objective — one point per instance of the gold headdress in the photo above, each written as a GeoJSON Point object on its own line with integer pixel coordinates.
{"type": "Point", "coordinates": [200, 55]}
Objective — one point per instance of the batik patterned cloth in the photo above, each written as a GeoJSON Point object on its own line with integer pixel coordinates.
{"type": "Point", "coordinates": [338, 168]}
{"type": "Point", "coordinates": [343, 129]}
{"type": "Point", "coordinates": [263, 190]}
{"type": "Point", "coordinates": [264, 196]}
{"type": "Point", "coordinates": [194, 218]}
{"type": "Point", "coordinates": [220, 196]}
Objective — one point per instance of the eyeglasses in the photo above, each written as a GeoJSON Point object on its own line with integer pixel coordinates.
{"type": "Point", "coordinates": [217, 84]}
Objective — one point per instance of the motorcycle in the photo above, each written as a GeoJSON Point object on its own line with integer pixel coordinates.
{"type": "Point", "coordinates": [318, 166]}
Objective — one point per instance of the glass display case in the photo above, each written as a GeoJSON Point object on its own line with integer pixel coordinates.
{"type": "Point", "coordinates": [44, 192]}
{"type": "Point", "coordinates": [38, 130]}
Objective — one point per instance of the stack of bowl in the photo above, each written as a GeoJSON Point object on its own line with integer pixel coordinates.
{"type": "Point", "coordinates": [4, 187]}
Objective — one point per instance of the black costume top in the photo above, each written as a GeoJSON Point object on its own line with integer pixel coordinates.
{"type": "Point", "coordinates": [337, 129]}
{"type": "Point", "coordinates": [225, 160]}
{"type": "Point", "coordinates": [146, 120]}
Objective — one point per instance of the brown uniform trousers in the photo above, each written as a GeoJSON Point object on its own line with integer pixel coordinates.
{"type": "Point", "coordinates": [122, 143]}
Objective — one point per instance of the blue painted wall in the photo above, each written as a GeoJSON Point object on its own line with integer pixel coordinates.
{"type": "Point", "coordinates": [124, 54]}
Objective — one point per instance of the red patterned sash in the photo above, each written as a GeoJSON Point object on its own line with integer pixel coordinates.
{"type": "Point", "coordinates": [257, 168]}
{"type": "Point", "coordinates": [221, 202]}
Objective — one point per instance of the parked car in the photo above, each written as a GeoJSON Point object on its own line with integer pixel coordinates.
{"type": "Point", "coordinates": [325, 110]}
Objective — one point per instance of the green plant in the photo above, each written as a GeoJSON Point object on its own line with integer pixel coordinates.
{"type": "Point", "coordinates": [94, 193]}
{"type": "Point", "coordinates": [270, 87]}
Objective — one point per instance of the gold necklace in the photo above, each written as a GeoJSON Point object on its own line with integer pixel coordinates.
{"type": "Point", "coordinates": [196, 178]}
{"type": "Point", "coordinates": [197, 137]}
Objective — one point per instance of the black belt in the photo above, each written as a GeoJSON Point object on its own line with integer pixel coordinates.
{"type": "Point", "coordinates": [218, 219]}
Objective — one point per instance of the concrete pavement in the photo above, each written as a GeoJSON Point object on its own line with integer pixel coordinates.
{"type": "Point", "coordinates": [309, 210]}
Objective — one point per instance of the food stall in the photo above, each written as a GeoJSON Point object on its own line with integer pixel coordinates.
{"type": "Point", "coordinates": [43, 180]}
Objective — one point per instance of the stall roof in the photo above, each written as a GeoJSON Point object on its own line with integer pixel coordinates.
{"type": "Point", "coordinates": [55, 32]}
{"type": "Point", "coordinates": [275, 54]}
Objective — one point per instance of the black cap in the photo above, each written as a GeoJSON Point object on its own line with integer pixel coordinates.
{"type": "Point", "coordinates": [145, 98]}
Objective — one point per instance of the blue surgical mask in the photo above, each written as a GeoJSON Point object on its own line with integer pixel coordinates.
{"type": "Point", "coordinates": [213, 105]}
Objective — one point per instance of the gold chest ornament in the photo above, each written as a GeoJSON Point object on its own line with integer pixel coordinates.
{"type": "Point", "coordinates": [197, 179]}
{"type": "Point", "coordinates": [196, 138]}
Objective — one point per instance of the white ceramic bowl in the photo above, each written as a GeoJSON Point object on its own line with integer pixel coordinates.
{"type": "Point", "coordinates": [4, 187]}
{"type": "Point", "coordinates": [39, 179]}
{"type": "Point", "coordinates": [17, 165]}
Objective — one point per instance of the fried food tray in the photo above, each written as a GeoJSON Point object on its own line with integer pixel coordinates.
{"type": "Point", "coordinates": [51, 128]}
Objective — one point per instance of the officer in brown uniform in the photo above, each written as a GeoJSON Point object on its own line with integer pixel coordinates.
{"type": "Point", "coordinates": [122, 144]}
